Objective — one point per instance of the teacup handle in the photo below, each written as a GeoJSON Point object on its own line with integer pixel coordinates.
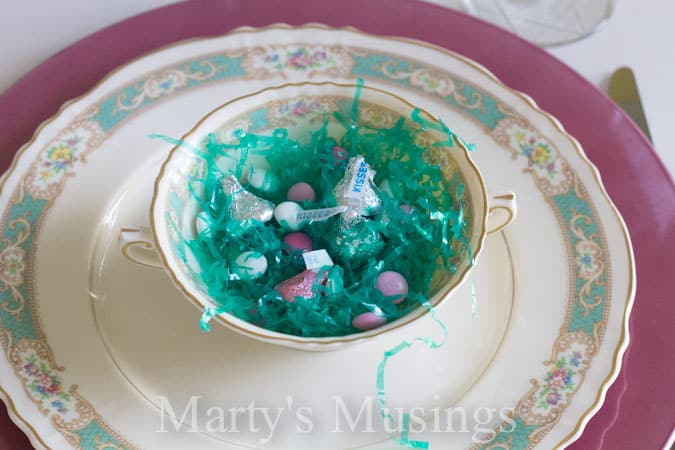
{"type": "Point", "coordinates": [137, 246]}
{"type": "Point", "coordinates": [503, 210]}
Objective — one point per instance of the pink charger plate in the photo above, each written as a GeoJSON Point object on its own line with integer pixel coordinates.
{"type": "Point", "coordinates": [639, 411]}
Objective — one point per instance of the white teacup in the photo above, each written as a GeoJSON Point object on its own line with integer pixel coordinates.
{"type": "Point", "coordinates": [296, 107]}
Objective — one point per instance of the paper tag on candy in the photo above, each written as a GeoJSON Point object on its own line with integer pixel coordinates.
{"type": "Point", "coordinates": [357, 189]}
{"type": "Point", "coordinates": [317, 215]}
{"type": "Point", "coordinates": [358, 183]}
{"type": "Point", "coordinates": [317, 259]}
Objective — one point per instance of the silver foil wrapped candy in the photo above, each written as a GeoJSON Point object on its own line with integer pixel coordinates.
{"type": "Point", "coordinates": [356, 238]}
{"type": "Point", "coordinates": [357, 190]}
{"type": "Point", "coordinates": [245, 207]}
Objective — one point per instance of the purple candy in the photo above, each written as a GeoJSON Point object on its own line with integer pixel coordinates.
{"type": "Point", "coordinates": [368, 321]}
{"type": "Point", "coordinates": [300, 192]}
{"type": "Point", "coordinates": [392, 283]}
{"type": "Point", "coordinates": [298, 241]}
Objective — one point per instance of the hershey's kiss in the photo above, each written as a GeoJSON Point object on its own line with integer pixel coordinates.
{"type": "Point", "coordinates": [356, 238]}
{"type": "Point", "coordinates": [356, 189]}
{"type": "Point", "coordinates": [245, 207]}
{"type": "Point", "coordinates": [300, 285]}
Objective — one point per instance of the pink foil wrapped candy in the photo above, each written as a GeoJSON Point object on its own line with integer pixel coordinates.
{"type": "Point", "coordinates": [297, 286]}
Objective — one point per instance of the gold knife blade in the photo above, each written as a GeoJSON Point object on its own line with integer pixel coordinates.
{"type": "Point", "coordinates": [623, 90]}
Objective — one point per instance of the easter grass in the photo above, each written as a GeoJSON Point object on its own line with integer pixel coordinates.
{"type": "Point", "coordinates": [428, 235]}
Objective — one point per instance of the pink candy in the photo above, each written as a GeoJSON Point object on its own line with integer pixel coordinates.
{"type": "Point", "coordinates": [300, 192]}
{"type": "Point", "coordinates": [368, 321]}
{"type": "Point", "coordinates": [392, 283]}
{"type": "Point", "coordinates": [298, 286]}
{"type": "Point", "coordinates": [298, 241]}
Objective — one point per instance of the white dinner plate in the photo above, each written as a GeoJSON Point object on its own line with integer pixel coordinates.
{"type": "Point", "coordinates": [97, 351]}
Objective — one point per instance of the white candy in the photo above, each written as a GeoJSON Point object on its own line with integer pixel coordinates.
{"type": "Point", "coordinates": [202, 222]}
{"type": "Point", "coordinates": [263, 180]}
{"type": "Point", "coordinates": [286, 214]}
{"type": "Point", "coordinates": [250, 265]}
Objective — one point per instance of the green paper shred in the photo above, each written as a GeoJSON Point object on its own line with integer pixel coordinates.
{"type": "Point", "coordinates": [431, 237]}
{"type": "Point", "coordinates": [404, 439]}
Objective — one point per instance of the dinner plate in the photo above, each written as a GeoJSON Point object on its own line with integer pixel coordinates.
{"type": "Point", "coordinates": [89, 337]}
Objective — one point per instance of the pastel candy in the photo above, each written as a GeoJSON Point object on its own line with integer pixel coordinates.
{"type": "Point", "coordinates": [301, 192]}
{"type": "Point", "coordinates": [368, 321]}
{"type": "Point", "coordinates": [250, 265]}
{"type": "Point", "coordinates": [286, 213]}
{"type": "Point", "coordinates": [298, 241]}
{"type": "Point", "coordinates": [391, 284]}
{"type": "Point", "coordinates": [297, 286]}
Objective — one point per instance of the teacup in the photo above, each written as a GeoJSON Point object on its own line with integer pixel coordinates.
{"type": "Point", "coordinates": [298, 107]}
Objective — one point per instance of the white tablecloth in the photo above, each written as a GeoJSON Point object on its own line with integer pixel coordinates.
{"type": "Point", "coordinates": [640, 34]}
